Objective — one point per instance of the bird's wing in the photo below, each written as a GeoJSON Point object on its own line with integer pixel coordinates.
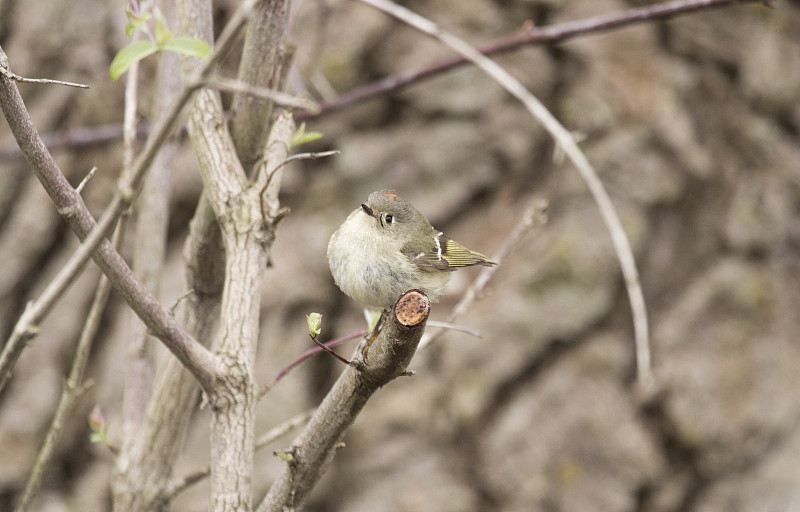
{"type": "Point", "coordinates": [442, 254]}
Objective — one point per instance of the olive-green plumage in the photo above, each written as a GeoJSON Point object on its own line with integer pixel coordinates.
{"type": "Point", "coordinates": [386, 247]}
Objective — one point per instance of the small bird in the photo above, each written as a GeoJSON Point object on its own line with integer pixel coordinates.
{"type": "Point", "coordinates": [387, 247]}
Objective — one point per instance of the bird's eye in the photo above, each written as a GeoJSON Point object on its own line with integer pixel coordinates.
{"type": "Point", "coordinates": [389, 219]}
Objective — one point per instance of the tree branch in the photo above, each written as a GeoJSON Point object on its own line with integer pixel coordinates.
{"type": "Point", "coordinates": [262, 93]}
{"type": "Point", "coordinates": [312, 451]}
{"type": "Point", "coordinates": [148, 485]}
{"type": "Point", "coordinates": [73, 386]}
{"type": "Point", "coordinates": [180, 485]}
{"type": "Point", "coordinates": [145, 468]}
{"type": "Point", "coordinates": [71, 206]}
{"type": "Point", "coordinates": [564, 139]}
{"type": "Point", "coordinates": [247, 232]}
{"type": "Point", "coordinates": [6, 72]}
{"type": "Point", "coordinates": [263, 64]}
{"type": "Point", "coordinates": [552, 34]}
{"type": "Point", "coordinates": [197, 358]}
{"type": "Point", "coordinates": [305, 355]}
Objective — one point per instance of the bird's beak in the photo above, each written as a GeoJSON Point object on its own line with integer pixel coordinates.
{"type": "Point", "coordinates": [367, 210]}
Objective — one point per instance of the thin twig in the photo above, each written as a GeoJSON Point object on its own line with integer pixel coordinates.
{"type": "Point", "coordinates": [178, 486]}
{"type": "Point", "coordinates": [26, 327]}
{"type": "Point", "coordinates": [283, 428]}
{"type": "Point", "coordinates": [535, 36]}
{"type": "Point", "coordinates": [281, 98]}
{"type": "Point", "coordinates": [180, 299]}
{"type": "Point", "coordinates": [289, 159]}
{"type": "Point", "coordinates": [551, 34]}
{"type": "Point", "coordinates": [534, 216]}
{"type": "Point", "coordinates": [310, 156]}
{"type": "Point", "coordinates": [200, 360]}
{"type": "Point", "coordinates": [564, 139]}
{"type": "Point", "coordinates": [73, 387]}
{"type": "Point", "coordinates": [5, 71]}
{"type": "Point", "coordinates": [330, 351]}
{"type": "Point", "coordinates": [279, 214]}
{"type": "Point", "coordinates": [453, 327]}
{"type": "Point", "coordinates": [305, 355]}
{"type": "Point", "coordinates": [86, 179]}
{"type": "Point", "coordinates": [270, 173]}
{"type": "Point", "coordinates": [297, 156]}
{"type": "Point", "coordinates": [94, 235]}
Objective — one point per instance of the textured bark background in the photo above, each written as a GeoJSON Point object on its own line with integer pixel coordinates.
{"type": "Point", "coordinates": [694, 125]}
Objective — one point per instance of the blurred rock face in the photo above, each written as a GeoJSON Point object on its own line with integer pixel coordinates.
{"type": "Point", "coordinates": [694, 127]}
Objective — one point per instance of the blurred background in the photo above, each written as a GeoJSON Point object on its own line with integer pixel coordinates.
{"type": "Point", "coordinates": [694, 127]}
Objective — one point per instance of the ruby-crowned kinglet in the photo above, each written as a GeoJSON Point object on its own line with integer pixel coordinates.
{"type": "Point", "coordinates": [386, 247]}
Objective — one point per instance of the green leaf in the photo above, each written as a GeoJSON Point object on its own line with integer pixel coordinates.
{"type": "Point", "coordinates": [285, 457]}
{"type": "Point", "coordinates": [188, 46]}
{"type": "Point", "coordinates": [301, 137]}
{"type": "Point", "coordinates": [134, 52]}
{"type": "Point", "coordinates": [163, 33]}
{"type": "Point", "coordinates": [135, 22]}
{"type": "Point", "coordinates": [100, 435]}
{"type": "Point", "coordinates": [163, 40]}
{"type": "Point", "coordinates": [98, 426]}
{"type": "Point", "coordinates": [314, 324]}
